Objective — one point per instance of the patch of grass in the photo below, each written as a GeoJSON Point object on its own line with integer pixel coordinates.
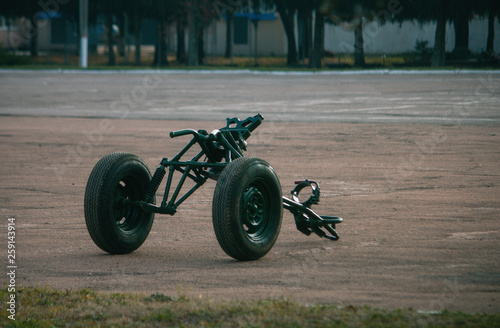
{"type": "Point", "coordinates": [338, 61]}
{"type": "Point", "coordinates": [48, 307]}
{"type": "Point", "coordinates": [8, 59]}
{"type": "Point", "coordinates": [278, 63]}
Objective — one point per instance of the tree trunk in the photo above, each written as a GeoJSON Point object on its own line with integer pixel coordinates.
{"type": "Point", "coordinates": [121, 35]}
{"type": "Point", "coordinates": [34, 36]}
{"type": "Point", "coordinates": [111, 51]}
{"type": "Point", "coordinates": [310, 38]}
{"type": "Point", "coordinates": [137, 37]}
{"type": "Point", "coordinates": [164, 44]}
{"type": "Point", "coordinates": [305, 33]}
{"type": "Point", "coordinates": [181, 44]}
{"type": "Point", "coordinates": [201, 46]}
{"type": "Point", "coordinates": [287, 18]}
{"type": "Point", "coordinates": [319, 40]}
{"type": "Point", "coordinates": [439, 54]}
{"type": "Point", "coordinates": [194, 30]}
{"type": "Point", "coordinates": [491, 32]}
{"type": "Point", "coordinates": [359, 45]}
{"type": "Point", "coordinates": [161, 45]}
{"type": "Point", "coordinates": [229, 34]}
{"type": "Point", "coordinates": [461, 24]}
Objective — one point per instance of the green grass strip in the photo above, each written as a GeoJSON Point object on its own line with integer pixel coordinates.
{"type": "Point", "coordinates": [48, 307]}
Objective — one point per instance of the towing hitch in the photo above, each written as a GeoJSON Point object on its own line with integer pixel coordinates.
{"type": "Point", "coordinates": [306, 220]}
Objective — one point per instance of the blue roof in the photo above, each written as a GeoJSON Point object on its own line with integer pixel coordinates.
{"type": "Point", "coordinates": [260, 17]}
{"type": "Point", "coordinates": [48, 15]}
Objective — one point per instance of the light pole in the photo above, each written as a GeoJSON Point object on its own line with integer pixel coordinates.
{"type": "Point", "coordinates": [84, 40]}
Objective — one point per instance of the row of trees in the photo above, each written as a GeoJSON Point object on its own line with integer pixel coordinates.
{"type": "Point", "coordinates": [355, 14]}
{"type": "Point", "coordinates": [195, 15]}
{"type": "Point", "coordinates": [459, 13]}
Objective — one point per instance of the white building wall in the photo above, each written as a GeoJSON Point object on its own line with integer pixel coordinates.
{"type": "Point", "coordinates": [388, 38]}
{"type": "Point", "coordinates": [271, 39]}
{"type": "Point", "coordinates": [396, 38]}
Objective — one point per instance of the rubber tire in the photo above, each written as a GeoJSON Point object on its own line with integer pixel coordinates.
{"type": "Point", "coordinates": [115, 229]}
{"type": "Point", "coordinates": [241, 179]}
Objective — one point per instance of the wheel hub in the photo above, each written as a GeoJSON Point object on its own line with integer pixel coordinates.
{"type": "Point", "coordinates": [254, 210]}
{"type": "Point", "coordinates": [121, 213]}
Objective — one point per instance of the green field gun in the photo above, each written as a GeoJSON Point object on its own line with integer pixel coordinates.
{"type": "Point", "coordinates": [247, 207]}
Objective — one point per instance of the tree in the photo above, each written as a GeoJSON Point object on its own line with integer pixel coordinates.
{"type": "Point", "coordinates": [160, 10]}
{"type": "Point", "coordinates": [305, 30]}
{"type": "Point", "coordinates": [439, 53]}
{"type": "Point", "coordinates": [442, 11]}
{"type": "Point", "coordinates": [461, 24]}
{"type": "Point", "coordinates": [287, 10]}
{"type": "Point", "coordinates": [490, 9]}
{"type": "Point", "coordinates": [425, 11]}
{"type": "Point", "coordinates": [32, 11]}
{"type": "Point", "coordinates": [137, 19]}
{"type": "Point", "coordinates": [462, 12]}
{"type": "Point", "coordinates": [353, 15]}
{"type": "Point", "coordinates": [316, 39]}
{"type": "Point", "coordinates": [194, 25]}
{"type": "Point", "coordinates": [319, 40]}
{"type": "Point", "coordinates": [29, 9]}
{"type": "Point", "coordinates": [200, 14]}
{"type": "Point", "coordinates": [359, 42]}
{"type": "Point", "coordinates": [491, 32]}
{"type": "Point", "coordinates": [109, 9]}
{"type": "Point", "coordinates": [181, 23]}
{"type": "Point", "coordinates": [304, 9]}
{"type": "Point", "coordinates": [137, 11]}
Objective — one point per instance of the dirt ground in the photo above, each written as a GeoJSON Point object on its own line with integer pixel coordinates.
{"type": "Point", "coordinates": [420, 202]}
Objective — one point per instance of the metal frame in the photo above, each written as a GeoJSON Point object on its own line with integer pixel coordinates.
{"type": "Point", "coordinates": [218, 149]}
{"type": "Point", "coordinates": [306, 220]}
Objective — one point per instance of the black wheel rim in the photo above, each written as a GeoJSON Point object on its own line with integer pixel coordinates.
{"type": "Point", "coordinates": [256, 211]}
{"type": "Point", "coordinates": [127, 218]}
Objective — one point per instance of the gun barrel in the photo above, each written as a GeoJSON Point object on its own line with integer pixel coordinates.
{"type": "Point", "coordinates": [245, 127]}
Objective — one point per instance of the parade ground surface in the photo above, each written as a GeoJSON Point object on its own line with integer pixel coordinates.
{"type": "Point", "coordinates": [410, 160]}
